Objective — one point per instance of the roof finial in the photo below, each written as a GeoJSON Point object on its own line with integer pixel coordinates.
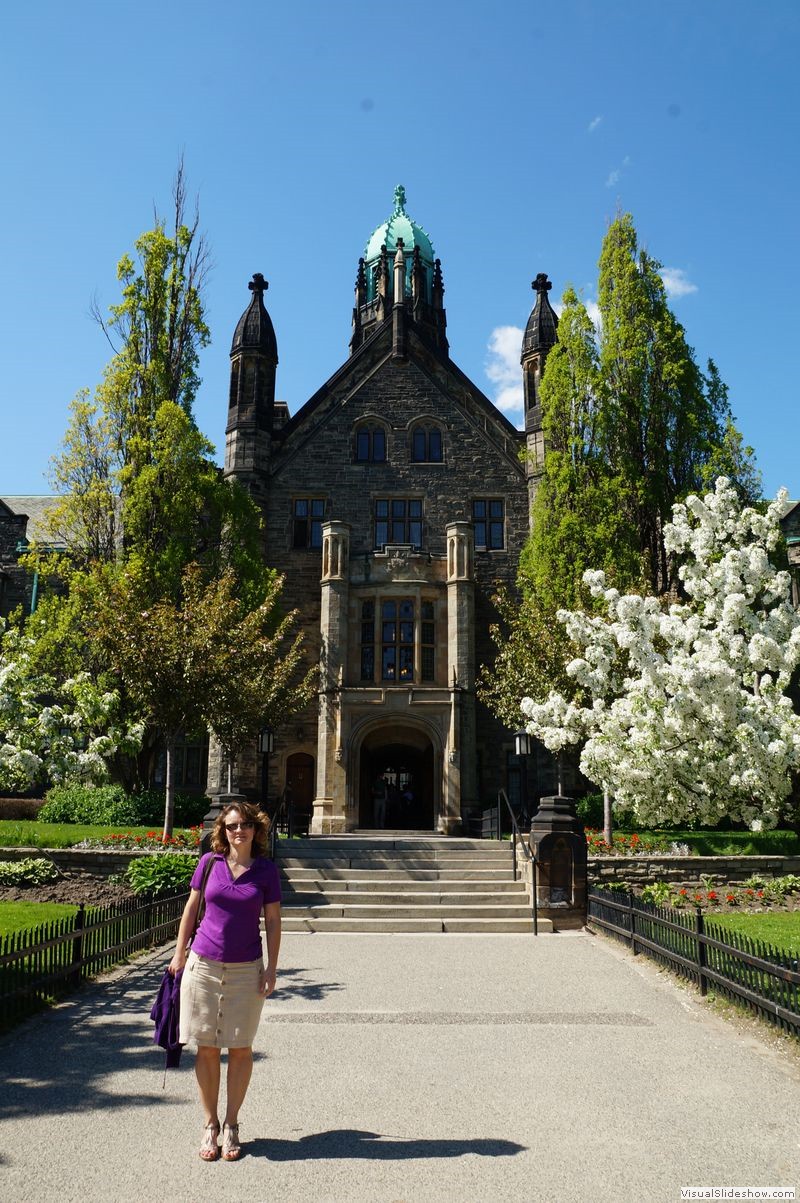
{"type": "Point", "coordinates": [399, 199]}
{"type": "Point", "coordinates": [541, 283]}
{"type": "Point", "coordinates": [258, 284]}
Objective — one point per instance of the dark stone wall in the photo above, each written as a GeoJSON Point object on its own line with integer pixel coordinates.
{"type": "Point", "coordinates": [316, 459]}
{"type": "Point", "coordinates": [15, 582]}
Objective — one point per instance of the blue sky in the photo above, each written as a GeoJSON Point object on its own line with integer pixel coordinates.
{"type": "Point", "coordinates": [517, 129]}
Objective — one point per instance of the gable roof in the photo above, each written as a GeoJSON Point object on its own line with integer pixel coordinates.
{"type": "Point", "coordinates": [373, 353]}
{"type": "Point", "coordinates": [31, 506]}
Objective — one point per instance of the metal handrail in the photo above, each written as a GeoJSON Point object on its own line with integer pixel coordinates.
{"type": "Point", "coordinates": [273, 828]}
{"type": "Point", "coordinates": [516, 834]}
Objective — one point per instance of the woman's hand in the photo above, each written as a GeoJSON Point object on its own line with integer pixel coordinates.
{"type": "Point", "coordinates": [178, 961]}
{"type": "Point", "coordinates": [266, 981]}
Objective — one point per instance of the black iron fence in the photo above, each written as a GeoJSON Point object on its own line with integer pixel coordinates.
{"type": "Point", "coordinates": [747, 972]}
{"type": "Point", "coordinates": [44, 963]}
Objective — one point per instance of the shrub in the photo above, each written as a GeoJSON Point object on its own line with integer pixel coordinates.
{"type": "Point", "coordinates": [160, 874]}
{"type": "Point", "coordinates": [28, 872]}
{"type": "Point", "coordinates": [20, 808]}
{"type": "Point", "coordinates": [111, 806]}
{"type": "Point", "coordinates": [656, 892]}
{"type": "Point", "coordinates": [590, 811]}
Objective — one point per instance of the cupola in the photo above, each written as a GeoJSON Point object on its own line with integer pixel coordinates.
{"type": "Point", "coordinates": [381, 267]}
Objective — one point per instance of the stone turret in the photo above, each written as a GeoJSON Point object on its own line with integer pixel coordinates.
{"type": "Point", "coordinates": [541, 335]}
{"type": "Point", "coordinates": [251, 401]}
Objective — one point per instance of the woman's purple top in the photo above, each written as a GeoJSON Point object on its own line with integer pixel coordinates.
{"type": "Point", "coordinates": [229, 930]}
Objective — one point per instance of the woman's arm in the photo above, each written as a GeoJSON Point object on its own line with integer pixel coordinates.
{"type": "Point", "coordinates": [272, 923]}
{"type": "Point", "coordinates": [184, 931]}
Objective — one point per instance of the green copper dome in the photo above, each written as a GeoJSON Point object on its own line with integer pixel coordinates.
{"type": "Point", "coordinates": [399, 225]}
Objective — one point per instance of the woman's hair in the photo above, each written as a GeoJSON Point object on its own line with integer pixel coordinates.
{"type": "Point", "coordinates": [248, 812]}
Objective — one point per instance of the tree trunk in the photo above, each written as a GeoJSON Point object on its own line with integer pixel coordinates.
{"type": "Point", "coordinates": [608, 832]}
{"type": "Point", "coordinates": [169, 791]}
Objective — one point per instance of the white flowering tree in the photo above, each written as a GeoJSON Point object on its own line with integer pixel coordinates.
{"type": "Point", "coordinates": [685, 712]}
{"type": "Point", "coordinates": [55, 731]}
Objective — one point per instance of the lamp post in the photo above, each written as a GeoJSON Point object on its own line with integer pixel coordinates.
{"type": "Point", "coordinates": [266, 746]}
{"type": "Point", "coordinates": [522, 748]}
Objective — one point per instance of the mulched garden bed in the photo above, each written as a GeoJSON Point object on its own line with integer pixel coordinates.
{"type": "Point", "coordinates": [73, 887]}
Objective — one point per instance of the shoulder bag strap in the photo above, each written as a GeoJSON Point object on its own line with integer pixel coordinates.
{"type": "Point", "coordinates": [201, 910]}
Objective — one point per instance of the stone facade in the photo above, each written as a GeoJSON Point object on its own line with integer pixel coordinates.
{"type": "Point", "coordinates": [20, 524]}
{"type": "Point", "coordinates": [395, 501]}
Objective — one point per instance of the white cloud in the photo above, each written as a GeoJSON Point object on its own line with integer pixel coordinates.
{"type": "Point", "coordinates": [615, 174]}
{"type": "Point", "coordinates": [503, 368]}
{"type": "Point", "coordinates": [677, 282]}
{"type": "Point", "coordinates": [593, 124]}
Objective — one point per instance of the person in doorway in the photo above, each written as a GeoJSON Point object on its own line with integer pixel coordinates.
{"type": "Point", "coordinates": [379, 801]}
{"type": "Point", "coordinates": [224, 981]}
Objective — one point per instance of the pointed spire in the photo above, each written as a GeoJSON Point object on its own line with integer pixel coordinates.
{"type": "Point", "coordinates": [361, 283]}
{"type": "Point", "coordinates": [254, 329]}
{"type": "Point", "coordinates": [541, 332]}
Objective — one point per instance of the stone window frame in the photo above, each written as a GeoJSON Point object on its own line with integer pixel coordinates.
{"type": "Point", "coordinates": [488, 520]}
{"type": "Point", "coordinates": [393, 518]}
{"type": "Point", "coordinates": [423, 434]}
{"type": "Point", "coordinates": [313, 518]}
{"type": "Point", "coordinates": [370, 425]}
{"type": "Point", "coordinates": [384, 622]}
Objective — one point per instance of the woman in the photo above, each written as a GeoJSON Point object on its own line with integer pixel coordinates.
{"type": "Point", "coordinates": [224, 982]}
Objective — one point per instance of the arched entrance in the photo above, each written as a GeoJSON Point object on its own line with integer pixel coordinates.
{"type": "Point", "coordinates": [404, 758]}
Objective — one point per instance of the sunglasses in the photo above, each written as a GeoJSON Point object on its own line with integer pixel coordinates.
{"type": "Point", "coordinates": [244, 826]}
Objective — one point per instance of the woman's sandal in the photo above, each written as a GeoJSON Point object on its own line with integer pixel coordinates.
{"type": "Point", "coordinates": [231, 1149]}
{"type": "Point", "coordinates": [209, 1149]}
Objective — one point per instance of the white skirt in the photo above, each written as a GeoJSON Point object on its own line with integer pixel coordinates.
{"type": "Point", "coordinates": [220, 1003]}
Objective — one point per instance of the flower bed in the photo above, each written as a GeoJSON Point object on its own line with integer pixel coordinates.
{"type": "Point", "coordinates": [756, 894]}
{"type": "Point", "coordinates": [151, 840]}
{"type": "Point", "coordinates": [624, 844]}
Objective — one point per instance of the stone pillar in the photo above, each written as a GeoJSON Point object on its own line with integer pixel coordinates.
{"type": "Point", "coordinates": [559, 844]}
{"type": "Point", "coordinates": [460, 794]}
{"type": "Point", "coordinates": [331, 795]}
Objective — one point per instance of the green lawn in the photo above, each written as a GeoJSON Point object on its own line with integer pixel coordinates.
{"type": "Point", "coordinates": [16, 916]}
{"type": "Point", "coordinates": [781, 930]}
{"type": "Point", "coordinates": [26, 833]}
{"type": "Point", "coordinates": [734, 843]}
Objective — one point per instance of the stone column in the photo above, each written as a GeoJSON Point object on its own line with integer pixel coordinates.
{"type": "Point", "coordinates": [331, 795]}
{"type": "Point", "coordinates": [460, 793]}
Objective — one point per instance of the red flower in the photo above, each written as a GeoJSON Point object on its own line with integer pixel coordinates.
{"type": "Point", "coordinates": [750, 893]}
{"type": "Point", "coordinates": [683, 893]}
{"type": "Point", "coordinates": [760, 894]}
{"type": "Point", "coordinates": [730, 897]}
{"type": "Point", "coordinates": [712, 895]}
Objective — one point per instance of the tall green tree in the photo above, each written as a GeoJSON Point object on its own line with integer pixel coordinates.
{"type": "Point", "coordinates": [206, 659]}
{"type": "Point", "coordinates": [138, 493]}
{"type": "Point", "coordinates": [663, 421]}
{"type": "Point", "coordinates": [578, 519]}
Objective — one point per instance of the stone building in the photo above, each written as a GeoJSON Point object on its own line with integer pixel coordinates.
{"type": "Point", "coordinates": [21, 523]}
{"type": "Point", "coordinates": [394, 501]}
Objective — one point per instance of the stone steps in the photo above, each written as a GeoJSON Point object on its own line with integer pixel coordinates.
{"type": "Point", "coordinates": [295, 888]}
{"type": "Point", "coordinates": [454, 925]}
{"type": "Point", "coordinates": [414, 884]}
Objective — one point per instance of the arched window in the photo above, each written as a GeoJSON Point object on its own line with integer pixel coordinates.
{"type": "Point", "coordinates": [370, 444]}
{"type": "Point", "coordinates": [426, 445]}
